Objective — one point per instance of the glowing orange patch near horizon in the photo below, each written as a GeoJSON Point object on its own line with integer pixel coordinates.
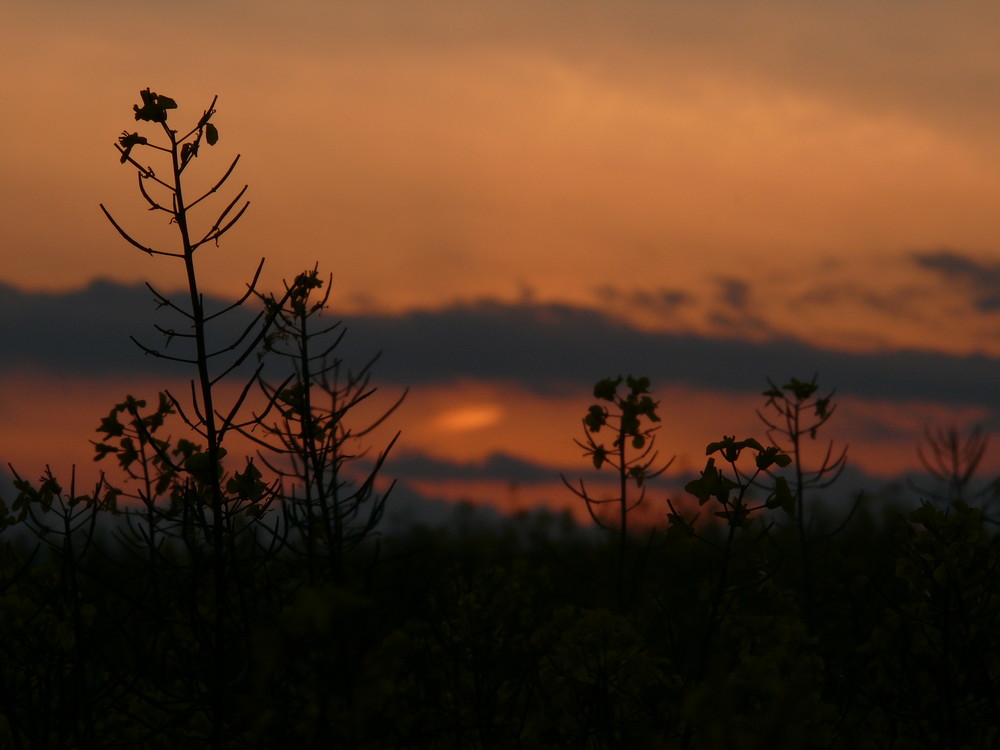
{"type": "Point", "coordinates": [50, 420]}
{"type": "Point", "coordinates": [469, 418]}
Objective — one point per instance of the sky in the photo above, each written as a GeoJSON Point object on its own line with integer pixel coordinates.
{"type": "Point", "coordinates": [516, 200]}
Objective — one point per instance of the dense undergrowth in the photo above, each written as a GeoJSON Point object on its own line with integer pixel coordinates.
{"type": "Point", "coordinates": [511, 638]}
{"type": "Point", "coordinates": [190, 601]}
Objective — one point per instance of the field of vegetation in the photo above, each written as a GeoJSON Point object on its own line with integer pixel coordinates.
{"type": "Point", "coordinates": [190, 600]}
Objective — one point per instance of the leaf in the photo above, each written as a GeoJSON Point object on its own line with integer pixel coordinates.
{"type": "Point", "coordinates": [770, 456]}
{"type": "Point", "coordinates": [128, 141]}
{"type": "Point", "coordinates": [605, 389]}
{"type": "Point", "coordinates": [102, 450]}
{"type": "Point", "coordinates": [247, 485]}
{"type": "Point", "coordinates": [308, 280]}
{"type": "Point", "coordinates": [199, 464]}
{"type": "Point", "coordinates": [638, 385]}
{"type": "Point", "coordinates": [186, 448]}
{"type": "Point", "coordinates": [596, 418]}
{"type": "Point", "coordinates": [822, 407]}
{"type": "Point", "coordinates": [716, 446]}
{"type": "Point", "coordinates": [155, 420]}
{"type": "Point", "coordinates": [679, 526]}
{"type": "Point", "coordinates": [211, 134]}
{"type": "Point", "coordinates": [630, 423]}
{"type": "Point", "coordinates": [6, 517]}
{"type": "Point", "coordinates": [801, 390]}
{"type": "Point", "coordinates": [729, 448]}
{"type": "Point", "coordinates": [111, 499]}
{"type": "Point", "coordinates": [782, 497]}
{"type": "Point", "coordinates": [294, 397]}
{"type": "Point", "coordinates": [707, 485]}
{"type": "Point", "coordinates": [128, 454]}
{"type": "Point", "coordinates": [719, 485]}
{"type": "Point", "coordinates": [255, 511]}
{"type": "Point", "coordinates": [110, 425]}
{"type": "Point", "coordinates": [647, 407]}
{"type": "Point", "coordinates": [600, 456]}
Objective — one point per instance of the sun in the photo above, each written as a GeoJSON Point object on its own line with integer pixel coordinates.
{"type": "Point", "coordinates": [468, 418]}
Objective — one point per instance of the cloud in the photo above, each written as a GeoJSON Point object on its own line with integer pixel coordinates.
{"type": "Point", "coordinates": [662, 302]}
{"type": "Point", "coordinates": [980, 278]}
{"type": "Point", "coordinates": [495, 467]}
{"type": "Point", "coordinates": [896, 302]}
{"type": "Point", "coordinates": [734, 293]}
{"type": "Point", "coordinates": [543, 348]}
{"type": "Point", "coordinates": [88, 332]}
{"type": "Point", "coordinates": [733, 311]}
{"type": "Point", "coordinates": [414, 468]}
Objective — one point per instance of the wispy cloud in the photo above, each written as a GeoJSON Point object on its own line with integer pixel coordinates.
{"type": "Point", "coordinates": [733, 311]}
{"type": "Point", "coordinates": [661, 302]}
{"type": "Point", "coordinates": [895, 302]}
{"type": "Point", "coordinates": [980, 278]}
{"type": "Point", "coordinates": [495, 467]}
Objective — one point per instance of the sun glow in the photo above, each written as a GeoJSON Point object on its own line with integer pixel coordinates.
{"type": "Point", "coordinates": [469, 418]}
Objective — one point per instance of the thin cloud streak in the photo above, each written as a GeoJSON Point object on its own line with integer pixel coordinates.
{"type": "Point", "coordinates": [980, 278]}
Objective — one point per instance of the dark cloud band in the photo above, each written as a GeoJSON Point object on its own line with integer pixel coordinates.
{"type": "Point", "coordinates": [541, 348]}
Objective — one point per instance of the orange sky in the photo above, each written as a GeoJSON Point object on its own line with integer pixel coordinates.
{"type": "Point", "coordinates": [591, 153]}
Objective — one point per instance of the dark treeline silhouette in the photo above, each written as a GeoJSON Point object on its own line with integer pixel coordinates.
{"type": "Point", "coordinates": [191, 598]}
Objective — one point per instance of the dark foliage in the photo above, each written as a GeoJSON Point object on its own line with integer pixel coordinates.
{"type": "Point", "coordinates": [196, 603]}
{"type": "Point", "coordinates": [498, 641]}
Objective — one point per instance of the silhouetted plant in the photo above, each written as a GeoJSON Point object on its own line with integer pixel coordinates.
{"type": "Point", "coordinates": [328, 511]}
{"type": "Point", "coordinates": [953, 460]}
{"type": "Point", "coordinates": [798, 412]}
{"type": "Point", "coordinates": [153, 467]}
{"type": "Point", "coordinates": [603, 684]}
{"type": "Point", "coordinates": [935, 669]}
{"type": "Point", "coordinates": [205, 417]}
{"type": "Point", "coordinates": [161, 540]}
{"type": "Point", "coordinates": [742, 563]}
{"type": "Point", "coordinates": [181, 620]}
{"type": "Point", "coordinates": [218, 505]}
{"type": "Point", "coordinates": [730, 489]}
{"type": "Point", "coordinates": [472, 658]}
{"type": "Point", "coordinates": [791, 413]}
{"type": "Point", "coordinates": [48, 666]}
{"type": "Point", "coordinates": [629, 418]}
{"type": "Point", "coordinates": [166, 638]}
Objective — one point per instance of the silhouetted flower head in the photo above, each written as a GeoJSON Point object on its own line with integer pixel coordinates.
{"type": "Point", "coordinates": [154, 107]}
{"type": "Point", "coordinates": [127, 141]}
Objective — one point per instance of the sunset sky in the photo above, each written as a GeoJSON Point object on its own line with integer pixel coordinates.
{"type": "Point", "coordinates": [517, 199]}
